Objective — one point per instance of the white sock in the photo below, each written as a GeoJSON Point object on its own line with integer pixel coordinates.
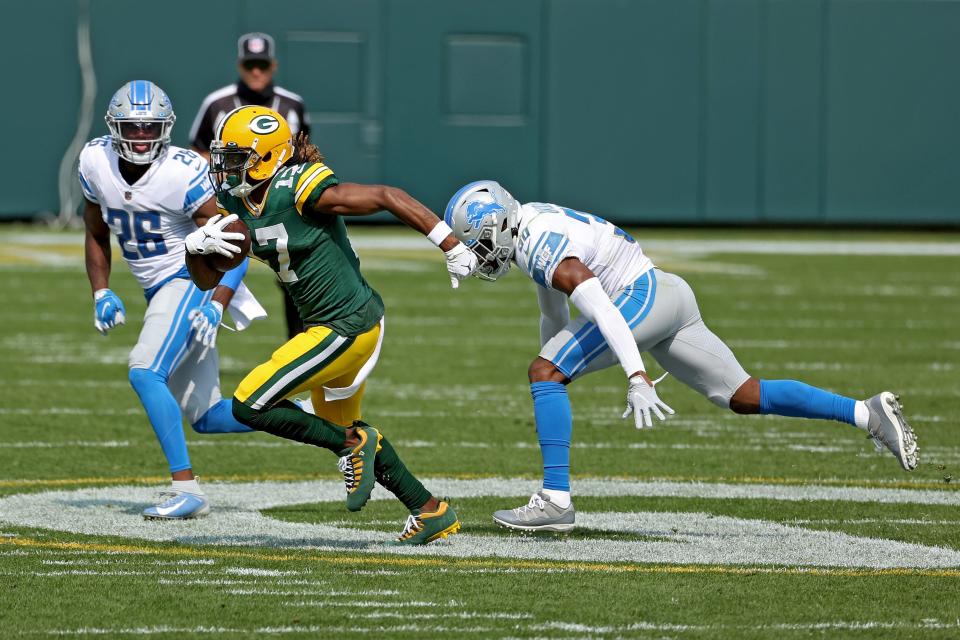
{"type": "Point", "coordinates": [559, 498]}
{"type": "Point", "coordinates": [861, 415]}
{"type": "Point", "coordinates": [188, 486]}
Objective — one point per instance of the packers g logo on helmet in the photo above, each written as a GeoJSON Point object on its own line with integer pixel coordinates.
{"type": "Point", "coordinates": [264, 124]}
{"type": "Point", "coordinates": [250, 142]}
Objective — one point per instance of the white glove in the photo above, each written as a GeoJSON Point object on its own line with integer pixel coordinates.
{"type": "Point", "coordinates": [461, 262]}
{"type": "Point", "coordinates": [641, 399]}
{"type": "Point", "coordinates": [211, 238]}
{"type": "Point", "coordinates": [206, 318]}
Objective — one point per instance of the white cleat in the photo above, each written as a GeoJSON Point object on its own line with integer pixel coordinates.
{"type": "Point", "coordinates": [178, 505]}
{"type": "Point", "coordinates": [888, 428]}
{"type": "Point", "coordinates": [539, 514]}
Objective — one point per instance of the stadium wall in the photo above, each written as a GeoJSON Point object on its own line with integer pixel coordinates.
{"type": "Point", "coordinates": [646, 111]}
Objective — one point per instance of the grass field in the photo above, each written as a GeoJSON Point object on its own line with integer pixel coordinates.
{"type": "Point", "coordinates": [710, 526]}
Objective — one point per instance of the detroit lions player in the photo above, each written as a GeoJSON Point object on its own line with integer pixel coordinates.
{"type": "Point", "coordinates": [626, 306]}
{"type": "Point", "coordinates": [145, 191]}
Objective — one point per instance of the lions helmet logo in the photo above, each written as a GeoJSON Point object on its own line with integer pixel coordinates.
{"type": "Point", "coordinates": [264, 124]}
{"type": "Point", "coordinates": [477, 211]}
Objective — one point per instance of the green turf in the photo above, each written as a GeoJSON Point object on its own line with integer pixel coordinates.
{"type": "Point", "coordinates": [450, 391]}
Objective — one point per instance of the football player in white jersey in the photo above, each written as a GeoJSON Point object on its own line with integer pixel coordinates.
{"type": "Point", "coordinates": [627, 306]}
{"type": "Point", "coordinates": [146, 192]}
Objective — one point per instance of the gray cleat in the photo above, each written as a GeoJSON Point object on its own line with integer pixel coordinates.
{"type": "Point", "coordinates": [888, 428]}
{"type": "Point", "coordinates": [539, 514]}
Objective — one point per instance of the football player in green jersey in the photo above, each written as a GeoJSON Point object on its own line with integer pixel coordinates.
{"type": "Point", "coordinates": [293, 204]}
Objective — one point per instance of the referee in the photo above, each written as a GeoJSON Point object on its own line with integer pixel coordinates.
{"type": "Point", "coordinates": [256, 62]}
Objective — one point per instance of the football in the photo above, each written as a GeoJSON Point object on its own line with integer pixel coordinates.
{"type": "Point", "coordinates": [223, 263]}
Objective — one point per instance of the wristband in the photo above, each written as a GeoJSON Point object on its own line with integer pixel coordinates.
{"type": "Point", "coordinates": [439, 233]}
{"type": "Point", "coordinates": [99, 293]}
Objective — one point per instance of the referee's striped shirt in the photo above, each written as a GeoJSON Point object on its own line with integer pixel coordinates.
{"type": "Point", "coordinates": [226, 99]}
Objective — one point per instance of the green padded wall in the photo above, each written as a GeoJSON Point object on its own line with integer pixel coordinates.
{"type": "Point", "coordinates": [646, 111]}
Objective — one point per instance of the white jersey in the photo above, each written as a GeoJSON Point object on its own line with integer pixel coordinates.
{"type": "Point", "coordinates": [548, 234]}
{"type": "Point", "coordinates": [152, 217]}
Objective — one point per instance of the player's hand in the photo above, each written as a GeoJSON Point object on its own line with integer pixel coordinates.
{"type": "Point", "coordinates": [211, 238]}
{"type": "Point", "coordinates": [206, 319]}
{"type": "Point", "coordinates": [642, 399]}
{"type": "Point", "coordinates": [108, 310]}
{"type": "Point", "coordinates": [461, 262]}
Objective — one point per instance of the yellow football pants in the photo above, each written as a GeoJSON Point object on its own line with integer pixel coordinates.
{"type": "Point", "coordinates": [311, 360]}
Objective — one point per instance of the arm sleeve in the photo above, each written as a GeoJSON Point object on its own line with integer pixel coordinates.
{"type": "Point", "coordinates": [233, 277]}
{"type": "Point", "coordinates": [554, 313]}
{"type": "Point", "coordinates": [593, 302]}
{"type": "Point", "coordinates": [312, 182]}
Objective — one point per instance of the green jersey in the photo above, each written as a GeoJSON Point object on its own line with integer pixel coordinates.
{"type": "Point", "coordinates": [310, 253]}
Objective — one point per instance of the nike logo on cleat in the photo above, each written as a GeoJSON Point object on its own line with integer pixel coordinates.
{"type": "Point", "coordinates": [165, 511]}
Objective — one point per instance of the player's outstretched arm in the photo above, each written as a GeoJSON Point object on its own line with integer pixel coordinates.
{"type": "Point", "coordinates": [352, 199]}
{"type": "Point", "coordinates": [576, 280]}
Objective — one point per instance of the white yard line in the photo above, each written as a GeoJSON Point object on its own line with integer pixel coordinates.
{"type": "Point", "coordinates": [554, 627]}
{"type": "Point", "coordinates": [36, 444]}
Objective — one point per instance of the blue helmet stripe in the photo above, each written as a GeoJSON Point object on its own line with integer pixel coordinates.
{"type": "Point", "coordinates": [448, 214]}
{"type": "Point", "coordinates": [140, 92]}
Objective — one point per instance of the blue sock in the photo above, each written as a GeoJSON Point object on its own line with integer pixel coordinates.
{"type": "Point", "coordinates": [219, 419]}
{"type": "Point", "coordinates": [551, 411]}
{"type": "Point", "coordinates": [800, 400]}
{"type": "Point", "coordinates": [164, 414]}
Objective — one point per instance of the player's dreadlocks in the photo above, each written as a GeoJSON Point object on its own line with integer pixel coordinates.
{"type": "Point", "coordinates": [303, 151]}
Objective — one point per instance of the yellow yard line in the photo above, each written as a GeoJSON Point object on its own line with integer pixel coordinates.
{"type": "Point", "coordinates": [495, 563]}
{"type": "Point", "coordinates": [288, 477]}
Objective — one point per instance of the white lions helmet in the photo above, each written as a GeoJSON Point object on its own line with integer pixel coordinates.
{"type": "Point", "coordinates": [483, 216]}
{"type": "Point", "coordinates": [140, 118]}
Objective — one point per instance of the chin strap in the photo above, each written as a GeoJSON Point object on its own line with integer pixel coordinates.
{"type": "Point", "coordinates": [244, 189]}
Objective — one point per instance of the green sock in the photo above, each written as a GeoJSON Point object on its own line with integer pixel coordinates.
{"type": "Point", "coordinates": [287, 420]}
{"type": "Point", "coordinates": [394, 475]}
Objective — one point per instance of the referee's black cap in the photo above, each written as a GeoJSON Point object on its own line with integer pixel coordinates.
{"type": "Point", "coordinates": [255, 46]}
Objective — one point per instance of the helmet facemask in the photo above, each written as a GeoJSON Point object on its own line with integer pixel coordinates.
{"type": "Point", "coordinates": [229, 165]}
{"type": "Point", "coordinates": [494, 249]}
